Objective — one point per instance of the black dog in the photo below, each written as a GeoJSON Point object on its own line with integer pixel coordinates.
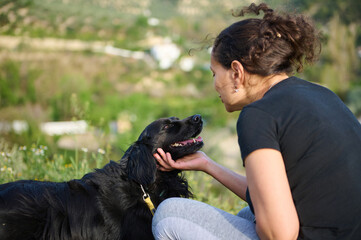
{"type": "Point", "coordinates": [108, 203]}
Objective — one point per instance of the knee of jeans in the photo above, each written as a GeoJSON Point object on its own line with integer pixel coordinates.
{"type": "Point", "coordinates": [243, 211]}
{"type": "Point", "coordinates": [170, 207]}
{"type": "Point", "coordinates": [163, 209]}
{"type": "Point", "coordinates": [246, 213]}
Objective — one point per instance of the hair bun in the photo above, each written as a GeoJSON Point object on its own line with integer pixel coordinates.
{"type": "Point", "coordinates": [276, 43]}
{"type": "Point", "coordinates": [255, 9]}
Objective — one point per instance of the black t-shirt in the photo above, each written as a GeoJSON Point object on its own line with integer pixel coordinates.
{"type": "Point", "coordinates": [320, 141]}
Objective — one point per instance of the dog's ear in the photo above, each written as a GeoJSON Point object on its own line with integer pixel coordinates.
{"type": "Point", "coordinates": [141, 166]}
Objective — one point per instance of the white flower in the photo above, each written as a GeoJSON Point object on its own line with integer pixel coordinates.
{"type": "Point", "coordinates": [85, 149]}
{"type": "Point", "coordinates": [101, 151]}
{"type": "Point", "coordinates": [22, 148]}
{"type": "Point", "coordinates": [39, 152]}
{"type": "Point", "coordinates": [43, 147]}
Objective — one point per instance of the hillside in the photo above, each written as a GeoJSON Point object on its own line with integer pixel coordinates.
{"type": "Point", "coordinates": [102, 61]}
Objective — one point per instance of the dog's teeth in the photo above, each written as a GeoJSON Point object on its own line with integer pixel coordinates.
{"type": "Point", "coordinates": [194, 140]}
{"type": "Point", "coordinates": [177, 145]}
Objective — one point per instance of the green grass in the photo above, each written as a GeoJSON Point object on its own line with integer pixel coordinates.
{"type": "Point", "coordinates": [100, 89]}
{"type": "Point", "coordinates": [36, 163]}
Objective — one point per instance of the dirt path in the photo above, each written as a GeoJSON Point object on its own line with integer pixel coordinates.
{"type": "Point", "coordinates": [73, 45]}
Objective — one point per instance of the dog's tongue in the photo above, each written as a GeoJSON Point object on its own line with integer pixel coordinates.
{"type": "Point", "coordinates": [193, 140]}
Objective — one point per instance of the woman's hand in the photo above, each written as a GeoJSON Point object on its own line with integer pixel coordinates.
{"type": "Point", "coordinates": [198, 161]}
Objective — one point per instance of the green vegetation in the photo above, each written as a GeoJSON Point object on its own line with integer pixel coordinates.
{"type": "Point", "coordinates": [14, 162]}
{"type": "Point", "coordinates": [49, 71]}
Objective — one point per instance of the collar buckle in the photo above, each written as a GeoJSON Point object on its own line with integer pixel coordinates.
{"type": "Point", "coordinates": [147, 200]}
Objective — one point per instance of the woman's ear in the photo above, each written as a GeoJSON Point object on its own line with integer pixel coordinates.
{"type": "Point", "coordinates": [237, 73]}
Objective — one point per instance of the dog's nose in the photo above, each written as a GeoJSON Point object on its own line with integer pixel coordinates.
{"type": "Point", "coordinates": [196, 118]}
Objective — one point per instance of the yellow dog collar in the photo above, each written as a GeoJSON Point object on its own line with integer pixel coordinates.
{"type": "Point", "coordinates": [148, 201]}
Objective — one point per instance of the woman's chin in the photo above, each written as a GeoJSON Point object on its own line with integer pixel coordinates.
{"type": "Point", "coordinates": [232, 108]}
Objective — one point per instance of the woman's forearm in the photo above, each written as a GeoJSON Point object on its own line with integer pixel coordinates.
{"type": "Point", "coordinates": [231, 180]}
{"type": "Point", "coordinates": [199, 161]}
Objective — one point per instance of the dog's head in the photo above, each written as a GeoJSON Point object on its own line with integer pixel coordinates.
{"type": "Point", "coordinates": [178, 137]}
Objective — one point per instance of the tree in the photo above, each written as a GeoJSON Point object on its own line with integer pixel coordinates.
{"type": "Point", "coordinates": [339, 64]}
{"type": "Point", "coordinates": [324, 10]}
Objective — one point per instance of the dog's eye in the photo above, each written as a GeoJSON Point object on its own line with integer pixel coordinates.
{"type": "Point", "coordinates": [167, 126]}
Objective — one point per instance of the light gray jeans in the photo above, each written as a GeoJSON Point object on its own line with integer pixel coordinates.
{"type": "Point", "coordinates": [180, 218]}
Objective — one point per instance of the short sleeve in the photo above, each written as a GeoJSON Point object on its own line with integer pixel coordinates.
{"type": "Point", "coordinates": [256, 129]}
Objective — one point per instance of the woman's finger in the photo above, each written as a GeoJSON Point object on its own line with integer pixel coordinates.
{"type": "Point", "coordinates": [162, 159]}
{"type": "Point", "coordinates": [170, 160]}
{"type": "Point", "coordinates": [162, 154]}
{"type": "Point", "coordinates": [164, 169]}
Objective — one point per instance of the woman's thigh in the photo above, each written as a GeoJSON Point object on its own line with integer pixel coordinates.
{"type": "Point", "coordinates": [179, 218]}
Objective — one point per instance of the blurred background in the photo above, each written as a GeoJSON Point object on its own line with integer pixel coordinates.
{"type": "Point", "coordinates": [80, 79]}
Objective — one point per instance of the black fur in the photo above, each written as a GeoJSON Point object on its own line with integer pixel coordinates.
{"type": "Point", "coordinates": [104, 204]}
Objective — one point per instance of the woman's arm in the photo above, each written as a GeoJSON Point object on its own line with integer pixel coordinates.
{"type": "Point", "coordinates": [267, 182]}
{"type": "Point", "coordinates": [199, 161]}
{"type": "Point", "coordinates": [271, 195]}
{"type": "Point", "coordinates": [231, 180]}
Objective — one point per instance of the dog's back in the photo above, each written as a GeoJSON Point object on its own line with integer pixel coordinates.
{"type": "Point", "coordinates": [47, 210]}
{"type": "Point", "coordinates": [100, 206]}
{"type": "Point", "coordinates": [106, 204]}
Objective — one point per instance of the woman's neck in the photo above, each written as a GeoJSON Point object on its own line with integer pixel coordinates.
{"type": "Point", "coordinates": [263, 84]}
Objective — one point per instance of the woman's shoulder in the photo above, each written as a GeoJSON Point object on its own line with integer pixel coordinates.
{"type": "Point", "coordinates": [294, 97]}
{"type": "Point", "coordinates": [293, 85]}
{"type": "Point", "coordinates": [291, 92]}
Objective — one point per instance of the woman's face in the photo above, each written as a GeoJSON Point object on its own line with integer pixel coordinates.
{"type": "Point", "coordinates": [224, 84]}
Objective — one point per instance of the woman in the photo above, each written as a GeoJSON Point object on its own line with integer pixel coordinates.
{"type": "Point", "coordinates": [300, 145]}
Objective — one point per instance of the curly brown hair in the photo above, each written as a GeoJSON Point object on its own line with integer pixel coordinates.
{"type": "Point", "coordinates": [277, 43]}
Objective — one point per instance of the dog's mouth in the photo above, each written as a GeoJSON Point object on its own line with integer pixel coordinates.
{"type": "Point", "coordinates": [187, 143]}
